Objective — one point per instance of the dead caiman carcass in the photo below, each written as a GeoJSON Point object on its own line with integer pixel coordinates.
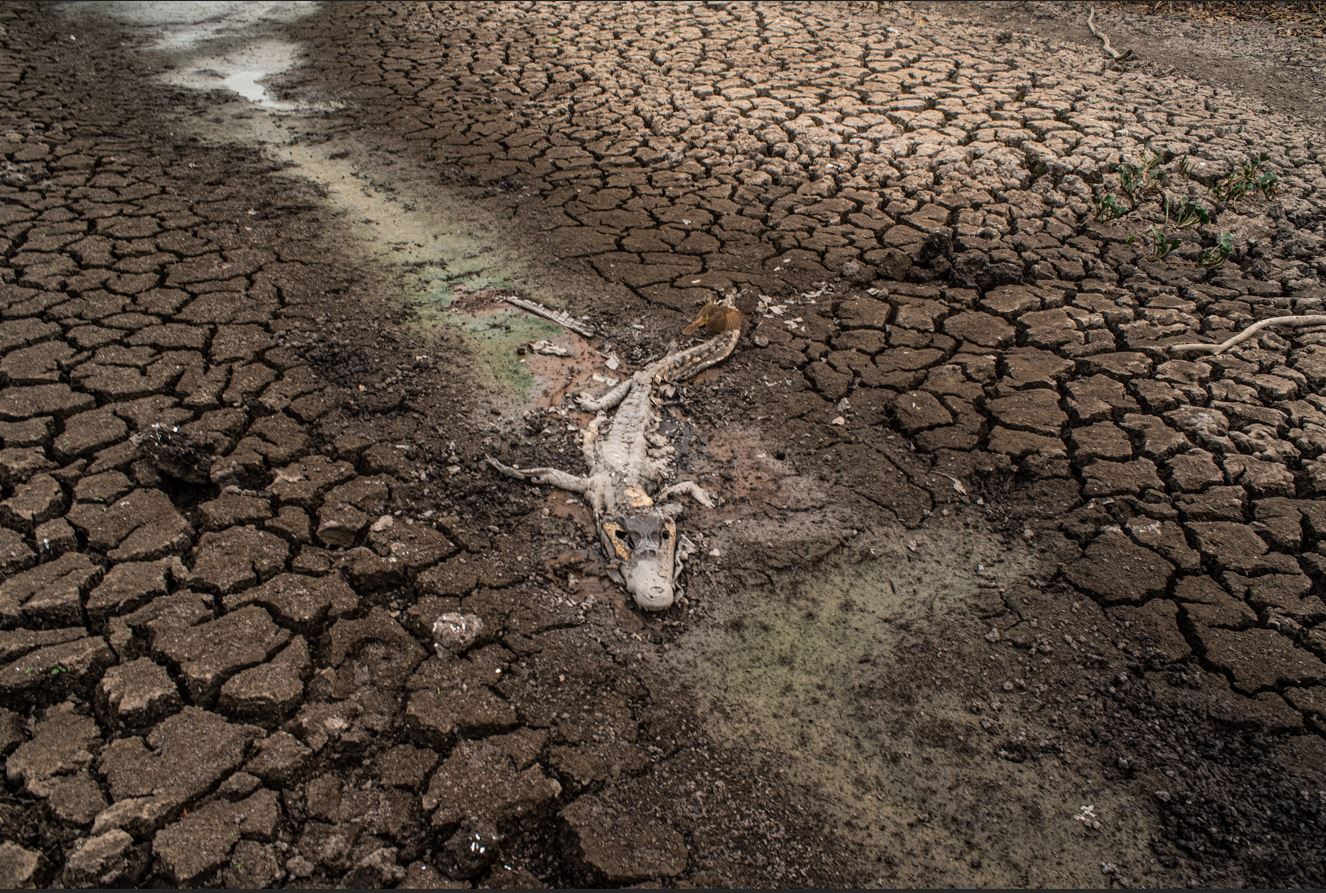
{"type": "Point", "coordinates": [629, 460]}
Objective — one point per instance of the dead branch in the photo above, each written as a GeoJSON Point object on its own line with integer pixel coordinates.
{"type": "Point", "coordinates": [1115, 56]}
{"type": "Point", "coordinates": [1311, 319]}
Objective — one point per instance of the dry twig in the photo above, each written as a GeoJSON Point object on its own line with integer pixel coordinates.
{"type": "Point", "coordinates": [1115, 56]}
{"type": "Point", "coordinates": [1311, 319]}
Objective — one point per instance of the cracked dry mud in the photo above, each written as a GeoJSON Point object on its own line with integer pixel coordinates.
{"type": "Point", "coordinates": [999, 591]}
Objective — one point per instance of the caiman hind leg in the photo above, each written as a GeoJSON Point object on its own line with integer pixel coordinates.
{"type": "Point", "coordinates": [560, 479]}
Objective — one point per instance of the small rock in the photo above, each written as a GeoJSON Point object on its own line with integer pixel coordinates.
{"type": "Point", "coordinates": [17, 866]}
{"type": "Point", "coordinates": [454, 633]}
{"type": "Point", "coordinates": [103, 861]}
{"type": "Point", "coordinates": [376, 870]}
{"type": "Point", "coordinates": [137, 693]}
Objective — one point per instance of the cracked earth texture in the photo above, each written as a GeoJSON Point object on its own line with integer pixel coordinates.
{"type": "Point", "coordinates": [1000, 592]}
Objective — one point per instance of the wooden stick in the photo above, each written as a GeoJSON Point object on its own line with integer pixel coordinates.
{"type": "Point", "coordinates": [1115, 55]}
{"type": "Point", "coordinates": [1311, 319]}
{"type": "Point", "coordinates": [561, 317]}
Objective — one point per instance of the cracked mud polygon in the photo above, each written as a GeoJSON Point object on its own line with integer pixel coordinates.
{"type": "Point", "coordinates": [1001, 590]}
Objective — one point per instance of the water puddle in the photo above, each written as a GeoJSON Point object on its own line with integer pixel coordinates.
{"type": "Point", "coordinates": [244, 72]}
{"type": "Point", "coordinates": [451, 259]}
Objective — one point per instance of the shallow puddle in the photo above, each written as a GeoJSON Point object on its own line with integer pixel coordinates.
{"type": "Point", "coordinates": [245, 72]}
{"type": "Point", "coordinates": [444, 258]}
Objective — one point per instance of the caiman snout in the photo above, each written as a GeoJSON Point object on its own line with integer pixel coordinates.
{"type": "Point", "coordinates": [655, 597]}
{"type": "Point", "coordinates": [649, 586]}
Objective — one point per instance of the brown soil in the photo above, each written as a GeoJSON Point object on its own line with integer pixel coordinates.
{"type": "Point", "coordinates": [998, 592]}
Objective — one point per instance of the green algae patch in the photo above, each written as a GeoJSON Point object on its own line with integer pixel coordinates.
{"type": "Point", "coordinates": [438, 257]}
{"type": "Point", "coordinates": [493, 335]}
{"type": "Point", "coordinates": [435, 251]}
{"type": "Point", "coordinates": [854, 677]}
{"type": "Point", "coordinates": [782, 666]}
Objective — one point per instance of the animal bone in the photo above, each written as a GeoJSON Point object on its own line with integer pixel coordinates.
{"type": "Point", "coordinates": [561, 317]}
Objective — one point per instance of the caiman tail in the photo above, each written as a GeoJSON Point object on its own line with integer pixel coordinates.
{"type": "Point", "coordinates": [722, 322]}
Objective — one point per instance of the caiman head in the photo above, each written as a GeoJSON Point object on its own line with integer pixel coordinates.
{"type": "Point", "coordinates": [641, 544]}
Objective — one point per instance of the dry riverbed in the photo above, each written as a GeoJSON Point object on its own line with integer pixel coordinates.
{"type": "Point", "coordinates": [999, 592]}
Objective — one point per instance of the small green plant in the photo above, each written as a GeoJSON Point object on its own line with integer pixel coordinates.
{"type": "Point", "coordinates": [1245, 179]}
{"type": "Point", "coordinates": [1217, 255]}
{"type": "Point", "coordinates": [1164, 212]}
{"type": "Point", "coordinates": [1108, 208]}
{"type": "Point", "coordinates": [1230, 189]}
{"type": "Point", "coordinates": [1162, 243]}
{"type": "Point", "coordinates": [1141, 179]}
{"type": "Point", "coordinates": [1186, 212]}
{"type": "Point", "coordinates": [57, 670]}
{"type": "Point", "coordinates": [1130, 179]}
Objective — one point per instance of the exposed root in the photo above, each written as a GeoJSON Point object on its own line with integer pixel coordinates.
{"type": "Point", "coordinates": [1115, 56]}
{"type": "Point", "coordinates": [1311, 319]}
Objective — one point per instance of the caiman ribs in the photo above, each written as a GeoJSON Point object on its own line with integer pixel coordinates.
{"type": "Point", "coordinates": [629, 460]}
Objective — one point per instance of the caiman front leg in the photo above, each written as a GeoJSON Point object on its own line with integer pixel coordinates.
{"type": "Point", "coordinates": [691, 489]}
{"type": "Point", "coordinates": [560, 479]}
{"type": "Point", "coordinates": [590, 438]}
